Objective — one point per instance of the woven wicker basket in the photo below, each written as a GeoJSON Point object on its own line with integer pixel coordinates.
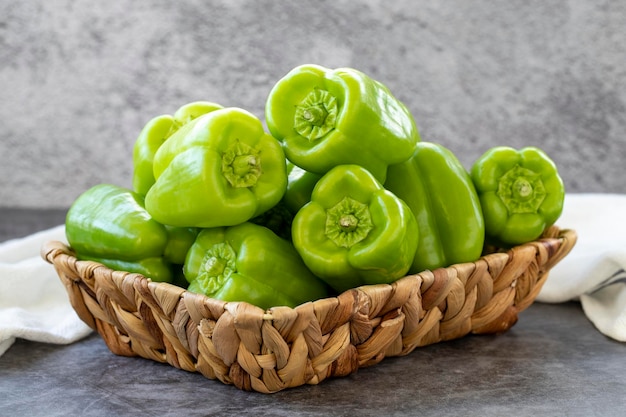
{"type": "Point", "coordinates": [268, 351]}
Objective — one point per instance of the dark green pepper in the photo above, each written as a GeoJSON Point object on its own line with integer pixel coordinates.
{"type": "Point", "coordinates": [110, 225]}
{"type": "Point", "coordinates": [248, 262]}
{"type": "Point", "coordinates": [354, 232]}
{"type": "Point", "coordinates": [442, 197]}
{"type": "Point", "coordinates": [330, 117]}
{"type": "Point", "coordinates": [520, 191]}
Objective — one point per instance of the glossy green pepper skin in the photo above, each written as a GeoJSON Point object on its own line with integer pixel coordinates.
{"type": "Point", "coordinates": [248, 262]}
{"type": "Point", "coordinates": [110, 225]}
{"type": "Point", "coordinates": [154, 134]}
{"type": "Point", "coordinates": [300, 184]}
{"type": "Point", "coordinates": [442, 197]}
{"type": "Point", "coordinates": [354, 232]}
{"type": "Point", "coordinates": [179, 240]}
{"type": "Point", "coordinates": [327, 117]}
{"type": "Point", "coordinates": [520, 191]}
{"type": "Point", "coordinates": [220, 169]}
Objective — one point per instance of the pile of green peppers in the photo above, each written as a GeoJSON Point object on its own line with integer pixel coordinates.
{"type": "Point", "coordinates": [340, 191]}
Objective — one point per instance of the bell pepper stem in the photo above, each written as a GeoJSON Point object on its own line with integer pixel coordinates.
{"type": "Point", "coordinates": [316, 115]}
{"type": "Point", "coordinates": [244, 164]}
{"type": "Point", "coordinates": [348, 222]}
{"type": "Point", "coordinates": [241, 165]}
{"type": "Point", "coordinates": [217, 266]}
{"type": "Point", "coordinates": [214, 266]}
{"type": "Point", "coordinates": [521, 190]}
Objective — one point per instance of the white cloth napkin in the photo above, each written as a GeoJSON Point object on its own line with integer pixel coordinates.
{"type": "Point", "coordinates": [594, 272]}
{"type": "Point", "coordinates": [33, 302]}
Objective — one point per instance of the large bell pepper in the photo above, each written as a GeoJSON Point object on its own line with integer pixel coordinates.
{"type": "Point", "coordinates": [441, 195]}
{"type": "Point", "coordinates": [248, 262]}
{"type": "Point", "coordinates": [110, 225]}
{"type": "Point", "coordinates": [354, 232]}
{"type": "Point", "coordinates": [521, 193]}
{"type": "Point", "coordinates": [220, 169]}
{"type": "Point", "coordinates": [329, 117]}
{"type": "Point", "coordinates": [152, 136]}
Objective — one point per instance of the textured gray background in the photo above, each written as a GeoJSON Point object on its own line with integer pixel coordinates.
{"type": "Point", "coordinates": [78, 80]}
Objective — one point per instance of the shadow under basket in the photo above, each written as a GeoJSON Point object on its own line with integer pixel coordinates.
{"type": "Point", "coordinates": [271, 350]}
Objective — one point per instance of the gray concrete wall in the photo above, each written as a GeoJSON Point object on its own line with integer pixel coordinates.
{"type": "Point", "coordinates": [79, 79]}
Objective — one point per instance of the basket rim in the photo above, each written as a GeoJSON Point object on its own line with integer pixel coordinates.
{"type": "Point", "coordinates": [553, 237]}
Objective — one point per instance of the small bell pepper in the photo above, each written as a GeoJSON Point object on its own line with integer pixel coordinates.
{"type": "Point", "coordinates": [354, 232]}
{"type": "Point", "coordinates": [110, 225]}
{"type": "Point", "coordinates": [152, 136]}
{"type": "Point", "coordinates": [441, 195]}
{"type": "Point", "coordinates": [329, 117]}
{"type": "Point", "coordinates": [521, 193]}
{"type": "Point", "coordinates": [248, 262]}
{"type": "Point", "coordinates": [220, 169]}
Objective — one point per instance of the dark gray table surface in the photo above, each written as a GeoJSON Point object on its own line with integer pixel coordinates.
{"type": "Point", "coordinates": [553, 362]}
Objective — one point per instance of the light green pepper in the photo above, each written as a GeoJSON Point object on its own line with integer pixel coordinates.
{"type": "Point", "coordinates": [441, 195]}
{"type": "Point", "coordinates": [329, 117]}
{"type": "Point", "coordinates": [220, 169]}
{"type": "Point", "coordinates": [354, 232]}
{"type": "Point", "coordinates": [521, 193]}
{"type": "Point", "coordinates": [154, 134]}
{"type": "Point", "coordinates": [248, 262]}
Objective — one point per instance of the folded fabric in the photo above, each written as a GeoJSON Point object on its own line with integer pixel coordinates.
{"type": "Point", "coordinates": [33, 302]}
{"type": "Point", "coordinates": [594, 272]}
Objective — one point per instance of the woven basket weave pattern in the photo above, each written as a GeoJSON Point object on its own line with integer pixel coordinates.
{"type": "Point", "coordinates": [268, 351]}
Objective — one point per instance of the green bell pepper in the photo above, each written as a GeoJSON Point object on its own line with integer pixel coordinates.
{"type": "Point", "coordinates": [248, 262]}
{"type": "Point", "coordinates": [220, 169]}
{"type": "Point", "coordinates": [110, 225]}
{"type": "Point", "coordinates": [442, 197]}
{"type": "Point", "coordinates": [334, 117]}
{"type": "Point", "coordinates": [353, 231]}
{"type": "Point", "coordinates": [520, 191]}
{"type": "Point", "coordinates": [152, 136]}
{"type": "Point", "coordinates": [300, 184]}
{"type": "Point", "coordinates": [179, 240]}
